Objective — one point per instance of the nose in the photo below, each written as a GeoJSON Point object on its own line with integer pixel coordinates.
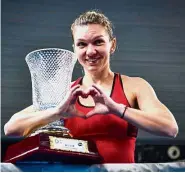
{"type": "Point", "coordinates": [91, 50]}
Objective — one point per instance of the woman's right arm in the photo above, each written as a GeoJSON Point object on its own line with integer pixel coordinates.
{"type": "Point", "coordinates": [24, 122]}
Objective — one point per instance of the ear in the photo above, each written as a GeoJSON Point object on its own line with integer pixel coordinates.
{"type": "Point", "coordinates": [113, 46]}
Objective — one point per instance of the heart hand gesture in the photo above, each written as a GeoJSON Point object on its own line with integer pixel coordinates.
{"type": "Point", "coordinates": [103, 103]}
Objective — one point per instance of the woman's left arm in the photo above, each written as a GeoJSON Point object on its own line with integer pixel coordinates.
{"type": "Point", "coordinates": [152, 116]}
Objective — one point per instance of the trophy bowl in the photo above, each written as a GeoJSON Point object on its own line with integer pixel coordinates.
{"type": "Point", "coordinates": [51, 73]}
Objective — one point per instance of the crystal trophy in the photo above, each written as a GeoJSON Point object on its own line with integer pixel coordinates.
{"type": "Point", "coordinates": [51, 73]}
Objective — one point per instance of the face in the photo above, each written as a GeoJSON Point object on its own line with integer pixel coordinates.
{"type": "Point", "coordinates": [93, 47]}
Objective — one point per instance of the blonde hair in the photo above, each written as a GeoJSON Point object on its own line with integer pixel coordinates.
{"type": "Point", "coordinates": [94, 17]}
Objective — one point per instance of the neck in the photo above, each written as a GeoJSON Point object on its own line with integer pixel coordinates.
{"type": "Point", "coordinates": [99, 78]}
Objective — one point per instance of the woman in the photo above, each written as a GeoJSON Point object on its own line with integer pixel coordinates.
{"type": "Point", "coordinates": [103, 106]}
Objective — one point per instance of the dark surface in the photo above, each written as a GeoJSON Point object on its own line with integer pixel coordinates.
{"type": "Point", "coordinates": [151, 44]}
{"type": "Point", "coordinates": [147, 151]}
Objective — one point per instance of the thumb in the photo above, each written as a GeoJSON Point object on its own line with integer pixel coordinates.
{"type": "Point", "coordinates": [80, 114]}
{"type": "Point", "coordinates": [91, 113]}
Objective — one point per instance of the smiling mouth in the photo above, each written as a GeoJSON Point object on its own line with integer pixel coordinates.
{"type": "Point", "coordinates": [92, 61]}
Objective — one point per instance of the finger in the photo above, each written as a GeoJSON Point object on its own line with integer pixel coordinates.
{"type": "Point", "coordinates": [92, 91]}
{"type": "Point", "coordinates": [73, 99]}
{"type": "Point", "coordinates": [97, 88]}
{"type": "Point", "coordinates": [69, 93]}
{"type": "Point", "coordinates": [75, 113]}
{"type": "Point", "coordinates": [80, 92]}
{"type": "Point", "coordinates": [91, 113]}
{"type": "Point", "coordinates": [80, 114]}
{"type": "Point", "coordinates": [77, 92]}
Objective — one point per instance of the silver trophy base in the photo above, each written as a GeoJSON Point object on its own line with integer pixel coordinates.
{"type": "Point", "coordinates": [54, 128]}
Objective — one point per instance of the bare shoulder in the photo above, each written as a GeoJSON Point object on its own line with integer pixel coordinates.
{"type": "Point", "coordinates": [133, 79]}
{"type": "Point", "coordinates": [139, 89]}
{"type": "Point", "coordinates": [135, 83]}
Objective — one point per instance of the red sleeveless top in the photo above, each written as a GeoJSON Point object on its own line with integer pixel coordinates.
{"type": "Point", "coordinates": [114, 137]}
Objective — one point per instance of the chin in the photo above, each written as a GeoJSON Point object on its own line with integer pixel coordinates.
{"type": "Point", "coordinates": [92, 69]}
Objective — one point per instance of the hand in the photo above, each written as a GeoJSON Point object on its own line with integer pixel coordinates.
{"type": "Point", "coordinates": [103, 103]}
{"type": "Point", "coordinates": [66, 108]}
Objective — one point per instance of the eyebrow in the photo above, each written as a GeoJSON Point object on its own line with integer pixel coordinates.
{"type": "Point", "coordinates": [99, 36]}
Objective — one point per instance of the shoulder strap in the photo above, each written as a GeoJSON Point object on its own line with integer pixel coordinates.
{"type": "Point", "coordinates": [78, 81]}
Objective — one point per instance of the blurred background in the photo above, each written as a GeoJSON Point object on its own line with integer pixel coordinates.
{"type": "Point", "coordinates": [151, 44]}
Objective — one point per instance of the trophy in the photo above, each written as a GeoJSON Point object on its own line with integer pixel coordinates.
{"type": "Point", "coordinates": [51, 73]}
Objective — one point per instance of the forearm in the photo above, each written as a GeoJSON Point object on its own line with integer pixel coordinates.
{"type": "Point", "coordinates": [21, 124]}
{"type": "Point", "coordinates": [158, 122]}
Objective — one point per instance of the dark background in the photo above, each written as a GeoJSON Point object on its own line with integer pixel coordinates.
{"type": "Point", "coordinates": [151, 44]}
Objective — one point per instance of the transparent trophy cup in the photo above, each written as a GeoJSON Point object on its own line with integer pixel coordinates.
{"type": "Point", "coordinates": [51, 73]}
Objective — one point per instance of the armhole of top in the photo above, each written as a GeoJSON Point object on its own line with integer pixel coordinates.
{"type": "Point", "coordinates": [113, 84]}
{"type": "Point", "coordinates": [121, 82]}
{"type": "Point", "coordinates": [132, 130]}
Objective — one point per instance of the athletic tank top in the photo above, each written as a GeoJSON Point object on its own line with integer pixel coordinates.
{"type": "Point", "coordinates": [114, 137]}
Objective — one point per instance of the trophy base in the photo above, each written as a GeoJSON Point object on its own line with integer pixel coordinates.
{"type": "Point", "coordinates": [53, 148]}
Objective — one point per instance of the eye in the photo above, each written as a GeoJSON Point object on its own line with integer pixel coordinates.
{"type": "Point", "coordinates": [98, 42]}
{"type": "Point", "coordinates": [81, 44]}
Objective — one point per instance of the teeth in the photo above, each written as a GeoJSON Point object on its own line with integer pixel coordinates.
{"type": "Point", "coordinates": [92, 60]}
